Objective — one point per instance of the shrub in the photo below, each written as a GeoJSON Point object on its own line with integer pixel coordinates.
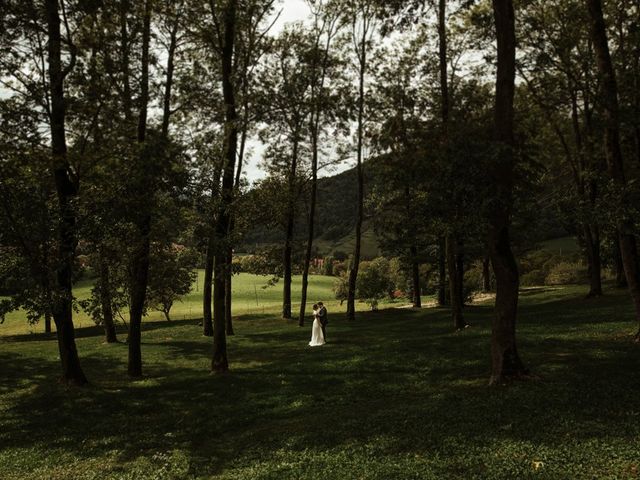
{"type": "Point", "coordinates": [533, 279]}
{"type": "Point", "coordinates": [341, 286]}
{"type": "Point", "coordinates": [565, 273]}
{"type": "Point", "coordinates": [374, 281]}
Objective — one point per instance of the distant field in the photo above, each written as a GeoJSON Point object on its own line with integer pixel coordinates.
{"type": "Point", "coordinates": [249, 297]}
{"type": "Point", "coordinates": [346, 244]}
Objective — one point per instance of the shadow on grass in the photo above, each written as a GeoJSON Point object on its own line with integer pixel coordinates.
{"type": "Point", "coordinates": [400, 375]}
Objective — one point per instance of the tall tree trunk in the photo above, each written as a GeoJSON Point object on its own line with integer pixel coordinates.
{"type": "Point", "coordinates": [228, 318]}
{"type": "Point", "coordinates": [486, 274]}
{"type": "Point", "coordinates": [506, 363]}
{"type": "Point", "coordinates": [168, 85]}
{"type": "Point", "coordinates": [310, 233]}
{"type": "Point", "coordinates": [48, 295]}
{"type": "Point", "coordinates": [460, 270]}
{"type": "Point", "coordinates": [611, 117]}
{"type": "Point", "coordinates": [415, 277]}
{"type": "Point", "coordinates": [124, 59]}
{"type": "Point", "coordinates": [621, 279]}
{"type": "Point", "coordinates": [219, 361]}
{"type": "Point", "coordinates": [140, 260]}
{"type": "Point", "coordinates": [67, 189]}
{"type": "Point", "coordinates": [454, 290]}
{"type": "Point", "coordinates": [288, 239]}
{"type": "Point", "coordinates": [314, 129]}
{"type": "Point", "coordinates": [442, 271]}
{"type": "Point", "coordinates": [588, 191]}
{"type": "Point", "coordinates": [592, 245]}
{"type": "Point", "coordinates": [207, 318]}
{"type": "Point", "coordinates": [355, 261]}
{"type": "Point", "coordinates": [47, 321]}
{"type": "Point", "coordinates": [105, 299]}
{"type": "Point", "coordinates": [450, 240]}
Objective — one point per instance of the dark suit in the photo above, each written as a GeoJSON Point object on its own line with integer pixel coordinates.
{"type": "Point", "coordinates": [322, 315]}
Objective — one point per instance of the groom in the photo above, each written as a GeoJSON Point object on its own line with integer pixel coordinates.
{"type": "Point", "coordinates": [322, 314]}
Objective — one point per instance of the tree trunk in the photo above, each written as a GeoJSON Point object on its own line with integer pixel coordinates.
{"type": "Point", "coordinates": [166, 101]}
{"type": "Point", "coordinates": [486, 274]}
{"type": "Point", "coordinates": [621, 279]}
{"type": "Point", "coordinates": [49, 298]}
{"type": "Point", "coordinates": [219, 361]}
{"type": "Point", "coordinates": [450, 240]}
{"type": "Point", "coordinates": [67, 189]}
{"type": "Point", "coordinates": [355, 263]}
{"type": "Point", "coordinates": [460, 271]}
{"type": "Point", "coordinates": [47, 321]}
{"type": "Point", "coordinates": [592, 245]}
{"type": "Point", "coordinates": [288, 239]}
{"type": "Point", "coordinates": [454, 289]}
{"type": "Point", "coordinates": [207, 318]}
{"type": "Point", "coordinates": [415, 278]}
{"type": "Point", "coordinates": [506, 363]}
{"type": "Point", "coordinates": [310, 233]}
{"type": "Point", "coordinates": [140, 260]}
{"type": "Point", "coordinates": [442, 272]}
{"type": "Point", "coordinates": [611, 118]}
{"type": "Point", "coordinates": [105, 300]}
{"type": "Point", "coordinates": [228, 318]}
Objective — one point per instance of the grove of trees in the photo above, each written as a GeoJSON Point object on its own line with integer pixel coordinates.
{"type": "Point", "coordinates": [475, 129]}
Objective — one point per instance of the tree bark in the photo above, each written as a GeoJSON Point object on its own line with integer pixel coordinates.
{"type": "Point", "coordinates": [454, 289]}
{"type": "Point", "coordinates": [140, 260]}
{"type": "Point", "coordinates": [506, 363]}
{"type": "Point", "coordinates": [486, 274]}
{"type": "Point", "coordinates": [207, 317]}
{"type": "Point", "coordinates": [442, 272]}
{"type": "Point", "coordinates": [228, 318]}
{"type": "Point", "coordinates": [105, 300]}
{"type": "Point", "coordinates": [288, 239]}
{"type": "Point", "coordinates": [219, 361]}
{"type": "Point", "coordinates": [460, 270]}
{"type": "Point", "coordinates": [355, 262]}
{"type": "Point", "coordinates": [594, 264]}
{"type": "Point", "coordinates": [613, 152]}
{"type": "Point", "coordinates": [124, 66]}
{"type": "Point", "coordinates": [621, 279]}
{"type": "Point", "coordinates": [67, 189]}
{"type": "Point", "coordinates": [587, 191]}
{"type": "Point", "coordinates": [415, 278]}
{"type": "Point", "coordinates": [451, 241]}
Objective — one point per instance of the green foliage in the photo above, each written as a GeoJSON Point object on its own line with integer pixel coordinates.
{"type": "Point", "coordinates": [565, 273]}
{"type": "Point", "coordinates": [533, 278]}
{"type": "Point", "coordinates": [341, 286]}
{"type": "Point", "coordinates": [171, 275]}
{"type": "Point", "coordinates": [374, 282]}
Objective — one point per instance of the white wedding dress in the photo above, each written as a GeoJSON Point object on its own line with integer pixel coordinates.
{"type": "Point", "coordinates": [317, 338]}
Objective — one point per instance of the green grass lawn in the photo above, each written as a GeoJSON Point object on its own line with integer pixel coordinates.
{"type": "Point", "coordinates": [249, 297]}
{"type": "Point", "coordinates": [562, 245]}
{"type": "Point", "coordinates": [394, 395]}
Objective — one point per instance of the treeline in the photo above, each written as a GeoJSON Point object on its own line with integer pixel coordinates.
{"type": "Point", "coordinates": [126, 128]}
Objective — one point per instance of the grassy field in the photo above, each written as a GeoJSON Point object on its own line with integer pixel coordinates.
{"type": "Point", "coordinates": [249, 297]}
{"type": "Point", "coordinates": [394, 395]}
{"type": "Point", "coordinates": [562, 245]}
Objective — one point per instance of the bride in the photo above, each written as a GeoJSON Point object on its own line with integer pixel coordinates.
{"type": "Point", "coordinates": [317, 338]}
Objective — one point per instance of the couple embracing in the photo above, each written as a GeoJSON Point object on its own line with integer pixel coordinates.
{"type": "Point", "coordinates": [318, 331]}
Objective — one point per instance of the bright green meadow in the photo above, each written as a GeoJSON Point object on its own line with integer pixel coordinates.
{"type": "Point", "coordinates": [394, 395]}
